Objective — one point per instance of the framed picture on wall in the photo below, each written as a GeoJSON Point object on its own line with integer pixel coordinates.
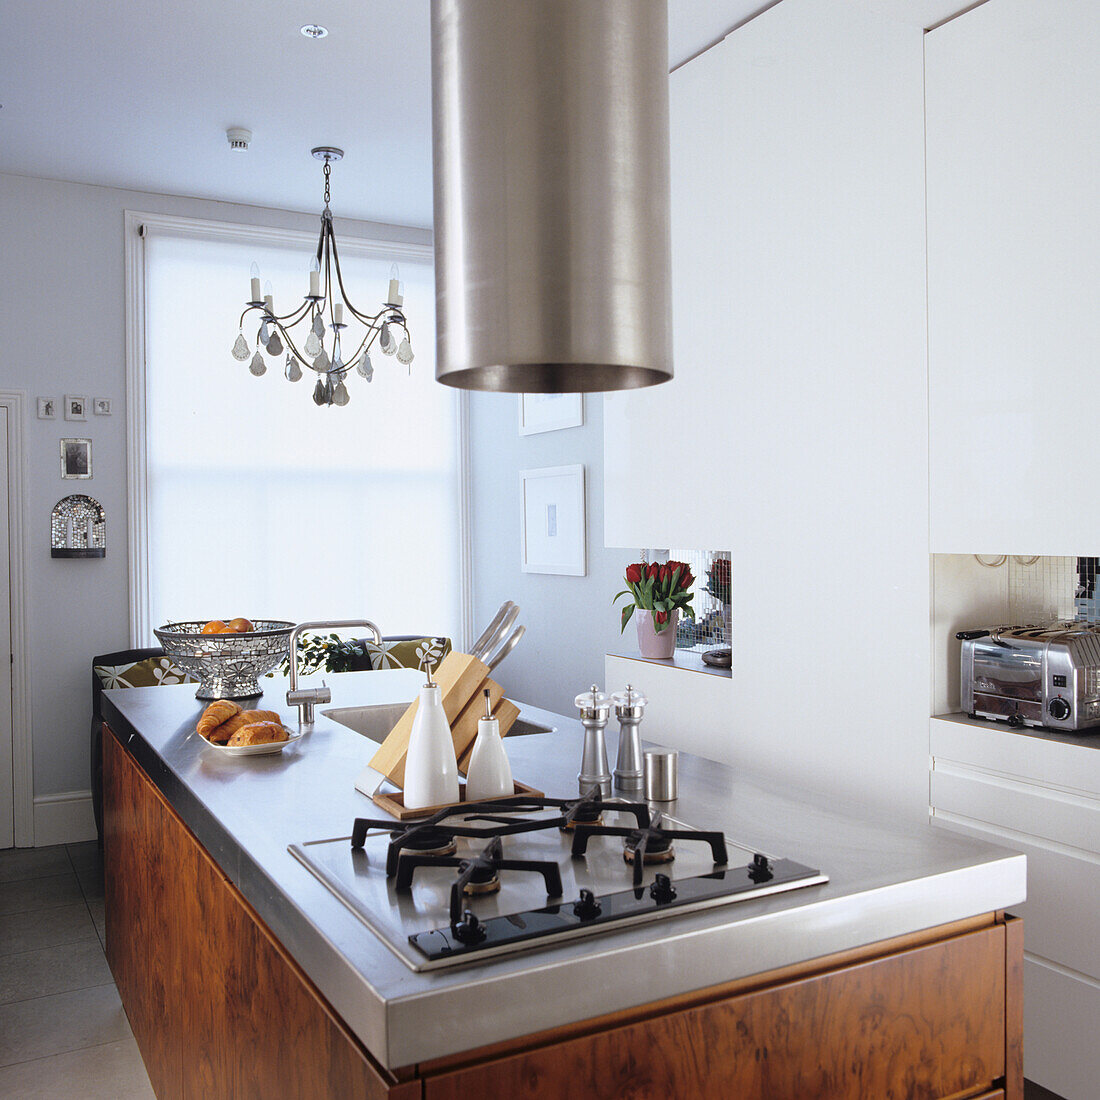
{"type": "Point", "coordinates": [553, 521]}
{"type": "Point", "coordinates": [549, 412]}
{"type": "Point", "coordinates": [47, 408]}
{"type": "Point", "coordinates": [76, 458]}
{"type": "Point", "coordinates": [76, 408]}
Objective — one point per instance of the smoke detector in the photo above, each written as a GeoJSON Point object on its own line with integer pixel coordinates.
{"type": "Point", "coordinates": [238, 137]}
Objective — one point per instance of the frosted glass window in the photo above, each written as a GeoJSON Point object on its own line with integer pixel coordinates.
{"type": "Point", "coordinates": [265, 505]}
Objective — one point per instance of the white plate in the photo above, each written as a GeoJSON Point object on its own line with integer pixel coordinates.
{"type": "Point", "coordinates": [253, 750]}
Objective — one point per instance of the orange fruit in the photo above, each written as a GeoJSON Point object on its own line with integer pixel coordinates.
{"type": "Point", "coordinates": [241, 626]}
{"type": "Point", "coordinates": [215, 626]}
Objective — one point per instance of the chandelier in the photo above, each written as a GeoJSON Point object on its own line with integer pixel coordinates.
{"type": "Point", "coordinates": [322, 319]}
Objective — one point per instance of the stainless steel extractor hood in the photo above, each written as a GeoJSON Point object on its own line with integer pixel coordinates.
{"type": "Point", "coordinates": [550, 140]}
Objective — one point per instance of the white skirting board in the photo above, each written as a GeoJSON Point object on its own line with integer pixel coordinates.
{"type": "Point", "coordinates": [64, 818]}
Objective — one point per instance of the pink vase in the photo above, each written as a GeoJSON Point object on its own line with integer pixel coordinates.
{"type": "Point", "coordinates": [652, 644]}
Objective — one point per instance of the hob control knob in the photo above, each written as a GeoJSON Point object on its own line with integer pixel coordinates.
{"type": "Point", "coordinates": [1059, 709]}
{"type": "Point", "coordinates": [586, 906]}
{"type": "Point", "coordinates": [760, 870]}
{"type": "Point", "coordinates": [469, 929]}
{"type": "Point", "coordinates": [662, 890]}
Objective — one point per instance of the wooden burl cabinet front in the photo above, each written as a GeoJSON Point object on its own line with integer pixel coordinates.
{"type": "Point", "coordinates": [220, 1010]}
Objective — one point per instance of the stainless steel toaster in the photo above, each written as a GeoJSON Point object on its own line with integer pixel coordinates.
{"type": "Point", "coordinates": [1033, 675]}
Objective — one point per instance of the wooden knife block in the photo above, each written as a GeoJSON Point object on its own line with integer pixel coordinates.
{"type": "Point", "coordinates": [461, 679]}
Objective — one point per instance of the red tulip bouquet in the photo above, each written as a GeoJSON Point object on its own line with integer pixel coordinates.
{"type": "Point", "coordinates": [660, 589]}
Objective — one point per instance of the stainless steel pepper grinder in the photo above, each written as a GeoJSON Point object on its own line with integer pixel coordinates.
{"type": "Point", "coordinates": [595, 708]}
{"type": "Point", "coordinates": [629, 708]}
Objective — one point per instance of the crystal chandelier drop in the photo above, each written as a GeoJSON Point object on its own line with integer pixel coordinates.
{"type": "Point", "coordinates": [322, 319]}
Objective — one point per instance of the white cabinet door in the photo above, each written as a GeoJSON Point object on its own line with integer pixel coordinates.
{"type": "Point", "coordinates": [1013, 127]}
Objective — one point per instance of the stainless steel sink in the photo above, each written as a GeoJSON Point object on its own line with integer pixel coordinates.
{"type": "Point", "coordinates": [374, 723]}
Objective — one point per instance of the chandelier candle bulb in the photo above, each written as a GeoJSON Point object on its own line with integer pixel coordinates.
{"type": "Point", "coordinates": [255, 289]}
{"type": "Point", "coordinates": [338, 313]}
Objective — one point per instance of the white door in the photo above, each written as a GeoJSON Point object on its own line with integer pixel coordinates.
{"type": "Point", "coordinates": [7, 800]}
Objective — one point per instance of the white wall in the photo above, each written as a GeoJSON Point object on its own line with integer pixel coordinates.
{"type": "Point", "coordinates": [571, 622]}
{"type": "Point", "coordinates": [798, 272]}
{"type": "Point", "coordinates": [61, 313]}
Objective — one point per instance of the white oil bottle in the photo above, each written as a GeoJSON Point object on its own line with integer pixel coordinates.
{"type": "Point", "coordinates": [490, 774]}
{"type": "Point", "coordinates": [431, 770]}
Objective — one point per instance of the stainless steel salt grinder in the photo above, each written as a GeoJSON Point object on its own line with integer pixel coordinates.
{"type": "Point", "coordinates": [661, 767]}
{"type": "Point", "coordinates": [595, 708]}
{"type": "Point", "coordinates": [629, 708]}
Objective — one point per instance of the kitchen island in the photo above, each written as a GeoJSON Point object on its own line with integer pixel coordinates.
{"type": "Point", "coordinates": [243, 974]}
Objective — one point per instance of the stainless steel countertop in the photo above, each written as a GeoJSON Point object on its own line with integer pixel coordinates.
{"type": "Point", "coordinates": [885, 879]}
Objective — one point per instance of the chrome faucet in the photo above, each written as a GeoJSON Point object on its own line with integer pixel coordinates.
{"type": "Point", "coordinates": [306, 698]}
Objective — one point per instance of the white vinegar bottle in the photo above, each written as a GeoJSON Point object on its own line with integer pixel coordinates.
{"type": "Point", "coordinates": [490, 774]}
{"type": "Point", "coordinates": [431, 770]}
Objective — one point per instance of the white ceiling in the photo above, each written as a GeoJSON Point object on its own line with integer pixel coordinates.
{"type": "Point", "coordinates": [138, 94]}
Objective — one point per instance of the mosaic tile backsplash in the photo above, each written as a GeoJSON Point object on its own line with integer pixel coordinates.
{"type": "Point", "coordinates": [1042, 589]}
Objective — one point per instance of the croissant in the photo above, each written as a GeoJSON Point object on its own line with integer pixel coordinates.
{"type": "Point", "coordinates": [221, 710]}
{"type": "Point", "coordinates": [245, 718]}
{"type": "Point", "coordinates": [258, 733]}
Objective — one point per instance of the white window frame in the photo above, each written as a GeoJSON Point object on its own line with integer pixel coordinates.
{"type": "Point", "coordinates": [137, 465]}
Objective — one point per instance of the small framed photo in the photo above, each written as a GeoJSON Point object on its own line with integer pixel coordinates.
{"type": "Point", "coordinates": [76, 408]}
{"type": "Point", "coordinates": [76, 458]}
{"type": "Point", "coordinates": [47, 408]}
{"type": "Point", "coordinates": [101, 406]}
{"type": "Point", "coordinates": [549, 412]}
{"type": "Point", "coordinates": [553, 521]}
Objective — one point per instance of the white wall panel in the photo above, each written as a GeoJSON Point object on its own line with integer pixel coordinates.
{"type": "Point", "coordinates": [795, 430]}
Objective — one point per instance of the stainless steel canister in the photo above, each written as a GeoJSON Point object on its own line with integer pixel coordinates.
{"type": "Point", "coordinates": [661, 766]}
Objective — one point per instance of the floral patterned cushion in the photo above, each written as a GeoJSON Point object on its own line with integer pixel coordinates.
{"type": "Point", "coordinates": [152, 672]}
{"type": "Point", "coordinates": [408, 654]}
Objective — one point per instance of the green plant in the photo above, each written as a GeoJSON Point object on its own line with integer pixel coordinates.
{"type": "Point", "coordinates": [660, 589]}
{"type": "Point", "coordinates": [328, 651]}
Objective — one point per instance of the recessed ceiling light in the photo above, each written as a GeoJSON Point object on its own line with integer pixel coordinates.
{"type": "Point", "coordinates": [314, 30]}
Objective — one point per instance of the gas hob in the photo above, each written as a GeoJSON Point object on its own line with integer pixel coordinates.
{"type": "Point", "coordinates": [477, 881]}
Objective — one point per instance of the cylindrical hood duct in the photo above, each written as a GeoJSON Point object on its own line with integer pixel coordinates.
{"type": "Point", "coordinates": [550, 141]}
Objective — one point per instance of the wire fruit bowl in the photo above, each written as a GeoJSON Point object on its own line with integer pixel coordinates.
{"type": "Point", "coordinates": [228, 666]}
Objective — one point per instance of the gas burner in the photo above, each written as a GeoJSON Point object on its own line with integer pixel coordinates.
{"type": "Point", "coordinates": [484, 880]}
{"type": "Point", "coordinates": [583, 813]}
{"type": "Point", "coordinates": [429, 842]}
{"type": "Point", "coordinates": [649, 838]}
{"type": "Point", "coordinates": [431, 837]}
{"type": "Point", "coordinates": [658, 850]}
{"type": "Point", "coordinates": [478, 875]}
{"type": "Point", "coordinates": [589, 808]}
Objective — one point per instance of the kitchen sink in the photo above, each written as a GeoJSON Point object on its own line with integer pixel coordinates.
{"type": "Point", "coordinates": [375, 722]}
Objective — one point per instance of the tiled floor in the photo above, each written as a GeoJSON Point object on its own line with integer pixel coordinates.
{"type": "Point", "coordinates": [62, 1029]}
